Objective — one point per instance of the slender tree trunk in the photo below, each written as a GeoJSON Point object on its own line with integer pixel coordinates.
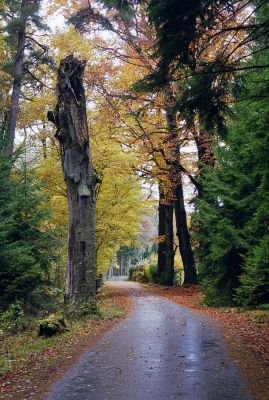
{"type": "Point", "coordinates": [165, 269]}
{"type": "Point", "coordinates": [72, 132]}
{"type": "Point", "coordinates": [44, 147]}
{"type": "Point", "coordinates": [121, 264]}
{"type": "Point", "coordinates": [190, 274]}
{"type": "Point", "coordinates": [129, 265]}
{"type": "Point", "coordinates": [205, 158]}
{"type": "Point", "coordinates": [177, 187]}
{"type": "Point", "coordinates": [44, 142]}
{"type": "Point", "coordinates": [18, 73]}
{"type": "Point", "coordinates": [161, 233]}
{"type": "Point", "coordinates": [205, 152]}
{"type": "Point", "coordinates": [169, 244]}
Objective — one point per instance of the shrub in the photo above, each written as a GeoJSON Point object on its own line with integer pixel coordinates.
{"type": "Point", "coordinates": [178, 277]}
{"type": "Point", "coordinates": [151, 273]}
{"type": "Point", "coordinates": [44, 299]}
{"type": "Point", "coordinates": [137, 273]}
{"type": "Point", "coordinates": [130, 273]}
{"type": "Point", "coordinates": [140, 276]}
{"type": "Point", "coordinates": [13, 319]}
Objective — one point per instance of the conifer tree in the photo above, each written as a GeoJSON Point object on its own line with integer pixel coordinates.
{"type": "Point", "coordinates": [21, 18]}
{"type": "Point", "coordinates": [27, 248]}
{"type": "Point", "coordinates": [233, 213]}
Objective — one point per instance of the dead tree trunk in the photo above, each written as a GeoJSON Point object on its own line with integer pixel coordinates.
{"type": "Point", "coordinates": [72, 132]}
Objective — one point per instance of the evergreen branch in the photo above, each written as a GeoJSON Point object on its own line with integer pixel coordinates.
{"type": "Point", "coordinates": [37, 79]}
{"type": "Point", "coordinates": [42, 46]}
{"type": "Point", "coordinates": [225, 70]}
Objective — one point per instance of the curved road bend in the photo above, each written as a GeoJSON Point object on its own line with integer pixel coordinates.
{"type": "Point", "coordinates": [161, 351]}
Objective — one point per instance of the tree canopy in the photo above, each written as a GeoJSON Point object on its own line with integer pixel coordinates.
{"type": "Point", "coordinates": [176, 105]}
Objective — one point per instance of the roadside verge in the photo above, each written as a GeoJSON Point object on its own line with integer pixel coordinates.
{"type": "Point", "coordinates": [246, 333]}
{"type": "Point", "coordinates": [37, 363]}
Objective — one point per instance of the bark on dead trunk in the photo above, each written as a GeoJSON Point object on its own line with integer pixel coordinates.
{"type": "Point", "coordinates": [18, 73]}
{"type": "Point", "coordinates": [72, 132]}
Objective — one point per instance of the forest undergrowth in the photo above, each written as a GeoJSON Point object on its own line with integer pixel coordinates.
{"type": "Point", "coordinates": [29, 364]}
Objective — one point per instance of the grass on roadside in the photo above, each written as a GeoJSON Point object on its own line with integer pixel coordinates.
{"type": "Point", "coordinates": [21, 349]}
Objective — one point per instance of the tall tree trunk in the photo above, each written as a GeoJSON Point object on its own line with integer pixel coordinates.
{"type": "Point", "coordinates": [43, 140]}
{"type": "Point", "coordinates": [190, 274]}
{"type": "Point", "coordinates": [165, 268]}
{"type": "Point", "coordinates": [177, 187]}
{"type": "Point", "coordinates": [72, 132]}
{"type": "Point", "coordinates": [205, 158]}
{"type": "Point", "coordinates": [161, 233]}
{"type": "Point", "coordinates": [169, 243]}
{"type": "Point", "coordinates": [18, 73]}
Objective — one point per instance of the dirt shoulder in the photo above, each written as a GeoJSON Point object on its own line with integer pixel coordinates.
{"type": "Point", "coordinates": [32, 374]}
{"type": "Point", "coordinates": [247, 334]}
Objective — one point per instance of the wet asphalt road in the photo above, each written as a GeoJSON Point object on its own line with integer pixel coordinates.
{"type": "Point", "coordinates": [161, 351]}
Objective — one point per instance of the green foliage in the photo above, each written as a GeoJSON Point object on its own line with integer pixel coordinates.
{"type": "Point", "coordinates": [27, 247]}
{"type": "Point", "coordinates": [13, 319]}
{"type": "Point", "coordinates": [254, 288]}
{"type": "Point", "coordinates": [179, 26]}
{"type": "Point", "coordinates": [151, 272]}
{"type": "Point", "coordinates": [178, 277]}
{"type": "Point", "coordinates": [130, 273]}
{"type": "Point", "coordinates": [143, 273]}
{"type": "Point", "coordinates": [11, 13]}
{"type": "Point", "coordinates": [17, 18]}
{"type": "Point", "coordinates": [233, 213]}
{"type": "Point", "coordinates": [205, 95]}
{"type": "Point", "coordinates": [137, 273]}
{"type": "Point", "coordinates": [175, 23]}
{"type": "Point", "coordinates": [125, 8]}
{"type": "Point", "coordinates": [44, 299]}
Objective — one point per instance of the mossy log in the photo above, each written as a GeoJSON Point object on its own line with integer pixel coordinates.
{"type": "Point", "coordinates": [52, 325]}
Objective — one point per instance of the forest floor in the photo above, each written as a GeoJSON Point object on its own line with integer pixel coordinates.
{"type": "Point", "coordinates": [246, 332]}
{"type": "Point", "coordinates": [34, 363]}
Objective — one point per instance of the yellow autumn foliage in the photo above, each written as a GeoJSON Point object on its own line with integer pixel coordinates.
{"type": "Point", "coordinates": [120, 202]}
{"type": "Point", "coordinates": [119, 197]}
